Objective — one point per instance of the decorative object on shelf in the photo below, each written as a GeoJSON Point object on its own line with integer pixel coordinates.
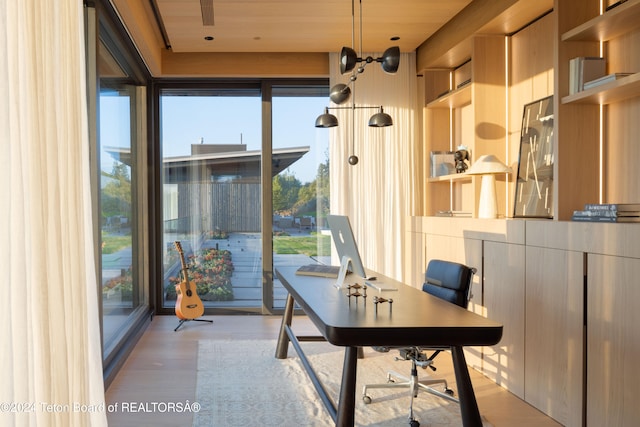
{"type": "Point", "coordinates": [461, 155]}
{"type": "Point", "coordinates": [534, 186]}
{"type": "Point", "coordinates": [442, 163]}
{"type": "Point", "coordinates": [341, 93]}
{"type": "Point", "coordinates": [488, 166]}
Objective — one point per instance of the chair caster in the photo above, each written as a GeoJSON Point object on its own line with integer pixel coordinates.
{"type": "Point", "coordinates": [414, 423]}
{"type": "Point", "coordinates": [366, 399]}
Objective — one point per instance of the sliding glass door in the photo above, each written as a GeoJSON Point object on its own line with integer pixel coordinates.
{"type": "Point", "coordinates": [211, 189]}
{"type": "Point", "coordinates": [217, 143]}
{"type": "Point", "coordinates": [300, 190]}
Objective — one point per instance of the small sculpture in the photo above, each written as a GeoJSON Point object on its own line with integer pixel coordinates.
{"type": "Point", "coordinates": [460, 156]}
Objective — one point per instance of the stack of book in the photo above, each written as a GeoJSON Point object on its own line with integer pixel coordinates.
{"type": "Point", "coordinates": [608, 212]}
{"type": "Point", "coordinates": [585, 69]}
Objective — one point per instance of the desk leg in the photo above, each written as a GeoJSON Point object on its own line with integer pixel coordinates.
{"type": "Point", "coordinates": [347, 403]}
{"type": "Point", "coordinates": [468, 405]}
{"type": "Point", "coordinates": [283, 339]}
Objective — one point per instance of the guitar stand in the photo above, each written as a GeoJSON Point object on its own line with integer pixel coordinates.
{"type": "Point", "coordinates": [189, 320]}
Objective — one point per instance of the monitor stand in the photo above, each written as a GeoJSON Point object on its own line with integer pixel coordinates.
{"type": "Point", "coordinates": [345, 264]}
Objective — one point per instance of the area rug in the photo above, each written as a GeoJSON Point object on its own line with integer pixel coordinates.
{"type": "Point", "coordinates": [241, 383]}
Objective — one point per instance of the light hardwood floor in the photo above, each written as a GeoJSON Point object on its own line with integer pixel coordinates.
{"type": "Point", "coordinates": [162, 370]}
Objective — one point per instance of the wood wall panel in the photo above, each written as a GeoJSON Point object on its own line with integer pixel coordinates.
{"type": "Point", "coordinates": [613, 348]}
{"type": "Point", "coordinates": [504, 301]}
{"type": "Point", "coordinates": [554, 333]}
{"type": "Point", "coordinates": [530, 78]}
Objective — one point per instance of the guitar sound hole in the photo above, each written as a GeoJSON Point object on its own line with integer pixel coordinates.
{"type": "Point", "coordinates": [189, 293]}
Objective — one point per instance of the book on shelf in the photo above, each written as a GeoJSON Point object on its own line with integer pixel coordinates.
{"type": "Point", "coordinates": [604, 79]}
{"type": "Point", "coordinates": [590, 217]}
{"type": "Point", "coordinates": [616, 207]}
{"type": "Point", "coordinates": [584, 69]}
{"type": "Point", "coordinates": [608, 212]}
{"type": "Point", "coordinates": [577, 216]}
{"type": "Point", "coordinates": [460, 214]}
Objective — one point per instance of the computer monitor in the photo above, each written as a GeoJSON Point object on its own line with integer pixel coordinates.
{"type": "Point", "coordinates": [345, 243]}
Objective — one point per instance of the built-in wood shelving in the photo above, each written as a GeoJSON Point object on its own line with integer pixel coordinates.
{"type": "Point", "coordinates": [451, 177]}
{"type": "Point", "coordinates": [609, 25]}
{"type": "Point", "coordinates": [454, 99]}
{"type": "Point", "coordinates": [624, 88]}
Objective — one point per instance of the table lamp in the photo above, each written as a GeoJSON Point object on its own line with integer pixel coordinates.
{"type": "Point", "coordinates": [488, 166]}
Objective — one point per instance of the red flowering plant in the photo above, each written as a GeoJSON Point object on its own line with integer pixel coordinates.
{"type": "Point", "coordinates": [122, 283]}
{"type": "Point", "coordinates": [210, 270]}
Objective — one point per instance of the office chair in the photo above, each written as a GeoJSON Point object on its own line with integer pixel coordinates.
{"type": "Point", "coordinates": [446, 280]}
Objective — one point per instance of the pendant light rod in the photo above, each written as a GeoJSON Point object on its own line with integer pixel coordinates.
{"type": "Point", "coordinates": [341, 93]}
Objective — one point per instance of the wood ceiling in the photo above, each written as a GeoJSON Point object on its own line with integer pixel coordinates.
{"type": "Point", "coordinates": [291, 37]}
{"type": "Point", "coordinates": [300, 25]}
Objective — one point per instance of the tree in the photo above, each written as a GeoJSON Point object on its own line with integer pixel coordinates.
{"type": "Point", "coordinates": [285, 192]}
{"type": "Point", "coordinates": [314, 196]}
{"type": "Point", "coordinates": [116, 194]}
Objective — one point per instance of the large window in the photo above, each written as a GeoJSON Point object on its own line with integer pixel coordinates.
{"type": "Point", "coordinates": [121, 290]}
{"type": "Point", "coordinates": [118, 100]}
{"type": "Point", "coordinates": [216, 151]}
{"type": "Point", "coordinates": [301, 190]}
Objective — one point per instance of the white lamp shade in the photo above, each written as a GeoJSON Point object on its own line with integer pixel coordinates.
{"type": "Point", "coordinates": [487, 166]}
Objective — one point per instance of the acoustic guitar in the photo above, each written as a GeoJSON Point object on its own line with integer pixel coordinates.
{"type": "Point", "coordinates": [188, 304]}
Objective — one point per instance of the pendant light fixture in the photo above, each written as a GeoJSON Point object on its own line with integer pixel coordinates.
{"type": "Point", "coordinates": [341, 93]}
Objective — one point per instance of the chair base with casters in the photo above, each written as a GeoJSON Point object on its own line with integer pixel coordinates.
{"type": "Point", "coordinates": [446, 280]}
{"type": "Point", "coordinates": [394, 380]}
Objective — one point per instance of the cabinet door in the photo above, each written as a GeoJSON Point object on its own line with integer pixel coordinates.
{"type": "Point", "coordinates": [504, 302]}
{"type": "Point", "coordinates": [613, 344]}
{"type": "Point", "coordinates": [554, 331]}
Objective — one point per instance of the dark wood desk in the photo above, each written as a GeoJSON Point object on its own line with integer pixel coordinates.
{"type": "Point", "coordinates": [414, 318]}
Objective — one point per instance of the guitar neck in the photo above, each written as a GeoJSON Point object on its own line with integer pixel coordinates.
{"type": "Point", "coordinates": [185, 275]}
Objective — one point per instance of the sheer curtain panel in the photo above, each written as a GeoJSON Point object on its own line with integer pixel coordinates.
{"type": "Point", "coordinates": [50, 335]}
{"type": "Point", "coordinates": [381, 191]}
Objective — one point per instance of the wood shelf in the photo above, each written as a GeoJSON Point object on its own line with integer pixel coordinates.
{"type": "Point", "coordinates": [611, 24]}
{"type": "Point", "coordinates": [615, 91]}
{"type": "Point", "coordinates": [451, 177]}
{"type": "Point", "coordinates": [454, 99]}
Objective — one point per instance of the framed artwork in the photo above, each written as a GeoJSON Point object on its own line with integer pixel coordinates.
{"type": "Point", "coordinates": [534, 185]}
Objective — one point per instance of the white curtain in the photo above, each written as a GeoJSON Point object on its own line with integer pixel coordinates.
{"type": "Point", "coordinates": [51, 358]}
{"type": "Point", "coordinates": [379, 192]}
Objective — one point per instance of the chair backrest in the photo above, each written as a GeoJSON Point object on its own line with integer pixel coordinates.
{"type": "Point", "coordinates": [450, 281]}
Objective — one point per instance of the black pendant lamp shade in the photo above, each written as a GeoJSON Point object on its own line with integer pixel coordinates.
{"type": "Point", "coordinates": [326, 120]}
{"type": "Point", "coordinates": [390, 60]}
{"type": "Point", "coordinates": [380, 119]}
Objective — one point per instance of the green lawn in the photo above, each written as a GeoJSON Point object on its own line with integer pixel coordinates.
{"type": "Point", "coordinates": [307, 245]}
{"type": "Point", "coordinates": [302, 245]}
{"type": "Point", "coordinates": [114, 243]}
